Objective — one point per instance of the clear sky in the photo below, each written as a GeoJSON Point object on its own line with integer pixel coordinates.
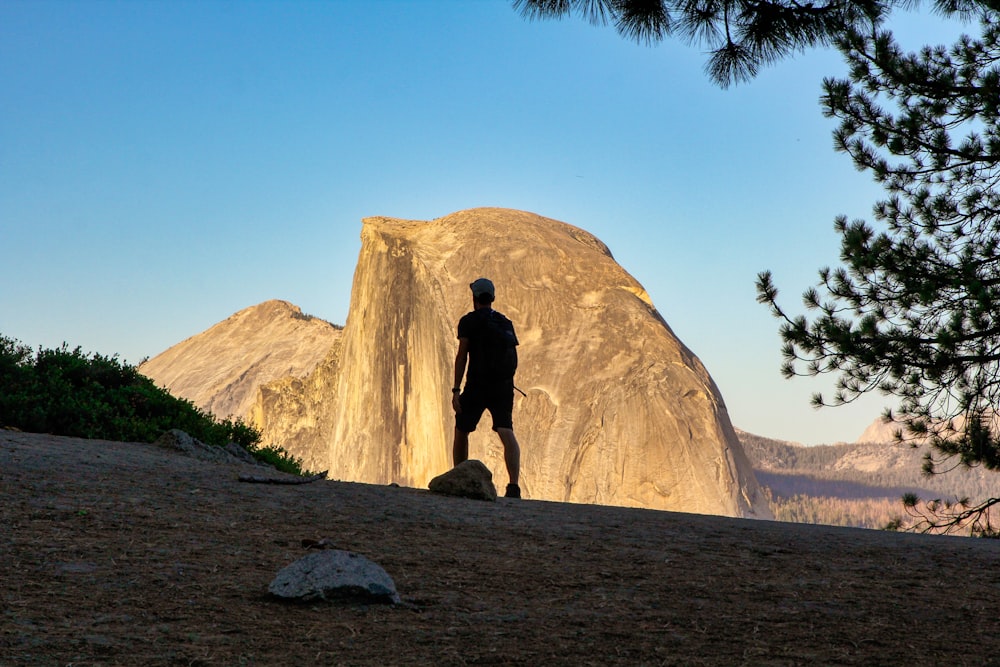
{"type": "Point", "coordinates": [166, 164]}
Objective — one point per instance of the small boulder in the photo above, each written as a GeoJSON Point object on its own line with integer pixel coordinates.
{"type": "Point", "coordinates": [180, 441]}
{"type": "Point", "coordinates": [336, 576]}
{"type": "Point", "coordinates": [469, 479]}
{"type": "Point", "coordinates": [240, 453]}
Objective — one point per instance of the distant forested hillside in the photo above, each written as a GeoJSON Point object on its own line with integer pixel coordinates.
{"type": "Point", "coordinates": [858, 484]}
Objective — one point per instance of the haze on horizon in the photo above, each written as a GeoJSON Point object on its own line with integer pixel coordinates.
{"type": "Point", "coordinates": [166, 165]}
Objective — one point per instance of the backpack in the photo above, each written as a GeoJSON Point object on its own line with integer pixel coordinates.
{"type": "Point", "coordinates": [499, 347]}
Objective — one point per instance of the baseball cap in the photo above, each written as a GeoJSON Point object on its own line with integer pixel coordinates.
{"type": "Point", "coordinates": [482, 286]}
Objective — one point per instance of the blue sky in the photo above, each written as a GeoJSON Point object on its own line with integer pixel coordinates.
{"type": "Point", "coordinates": [166, 164]}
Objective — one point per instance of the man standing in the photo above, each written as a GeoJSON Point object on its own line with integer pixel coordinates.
{"type": "Point", "coordinates": [487, 346]}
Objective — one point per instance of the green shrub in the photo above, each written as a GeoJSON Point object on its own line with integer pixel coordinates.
{"type": "Point", "coordinates": [279, 458]}
{"type": "Point", "coordinates": [67, 392]}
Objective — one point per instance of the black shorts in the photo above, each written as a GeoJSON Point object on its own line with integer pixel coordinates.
{"type": "Point", "coordinates": [497, 398]}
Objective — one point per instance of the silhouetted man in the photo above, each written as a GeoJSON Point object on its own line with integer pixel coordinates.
{"type": "Point", "coordinates": [486, 346]}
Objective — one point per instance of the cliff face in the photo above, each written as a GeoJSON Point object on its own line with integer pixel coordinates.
{"type": "Point", "coordinates": [221, 369]}
{"type": "Point", "coordinates": [618, 411]}
{"type": "Point", "coordinates": [297, 412]}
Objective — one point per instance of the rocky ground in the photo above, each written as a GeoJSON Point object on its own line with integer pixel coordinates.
{"type": "Point", "coordinates": [128, 554]}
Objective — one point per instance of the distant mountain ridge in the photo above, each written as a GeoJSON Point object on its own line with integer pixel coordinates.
{"type": "Point", "coordinates": [221, 369]}
{"type": "Point", "coordinates": [859, 470]}
{"type": "Point", "coordinates": [879, 431]}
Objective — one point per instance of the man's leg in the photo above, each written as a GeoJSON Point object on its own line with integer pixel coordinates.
{"type": "Point", "coordinates": [472, 405]}
{"type": "Point", "coordinates": [511, 453]}
{"type": "Point", "coordinates": [460, 449]}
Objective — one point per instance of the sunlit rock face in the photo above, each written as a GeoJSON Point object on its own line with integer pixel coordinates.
{"type": "Point", "coordinates": [618, 411]}
{"type": "Point", "coordinates": [221, 369]}
{"type": "Point", "coordinates": [297, 413]}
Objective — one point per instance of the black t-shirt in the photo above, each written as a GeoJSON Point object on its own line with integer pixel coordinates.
{"type": "Point", "coordinates": [471, 326]}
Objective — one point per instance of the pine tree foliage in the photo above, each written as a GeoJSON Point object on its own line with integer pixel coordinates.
{"type": "Point", "coordinates": [942, 517]}
{"type": "Point", "coordinates": [741, 35]}
{"type": "Point", "coordinates": [914, 310]}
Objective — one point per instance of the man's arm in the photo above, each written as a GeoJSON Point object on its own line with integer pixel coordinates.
{"type": "Point", "coordinates": [461, 359]}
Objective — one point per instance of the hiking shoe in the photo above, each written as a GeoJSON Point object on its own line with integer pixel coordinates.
{"type": "Point", "coordinates": [513, 491]}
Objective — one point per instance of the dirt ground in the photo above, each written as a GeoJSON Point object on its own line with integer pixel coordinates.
{"type": "Point", "coordinates": [128, 554]}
